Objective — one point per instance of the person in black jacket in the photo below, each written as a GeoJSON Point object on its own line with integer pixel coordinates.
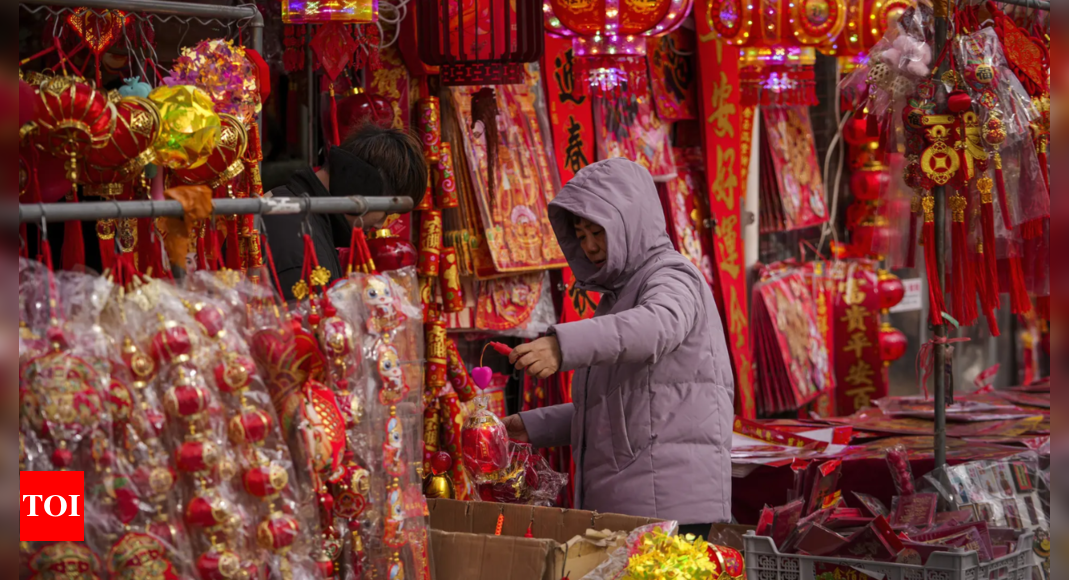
{"type": "Point", "coordinates": [372, 162]}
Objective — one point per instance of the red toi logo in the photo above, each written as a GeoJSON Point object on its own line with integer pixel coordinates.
{"type": "Point", "coordinates": [51, 506]}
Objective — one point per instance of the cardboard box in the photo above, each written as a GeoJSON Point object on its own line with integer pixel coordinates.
{"type": "Point", "coordinates": [465, 548]}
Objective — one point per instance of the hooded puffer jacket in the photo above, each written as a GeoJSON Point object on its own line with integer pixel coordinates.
{"type": "Point", "coordinates": [650, 426]}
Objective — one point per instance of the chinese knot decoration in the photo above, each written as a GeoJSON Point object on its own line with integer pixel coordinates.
{"type": "Point", "coordinates": [780, 39]}
{"type": "Point", "coordinates": [480, 42]}
{"type": "Point", "coordinates": [610, 39]}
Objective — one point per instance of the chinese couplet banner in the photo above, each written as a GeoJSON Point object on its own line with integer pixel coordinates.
{"type": "Point", "coordinates": [571, 115]}
{"type": "Point", "coordinates": [726, 129]}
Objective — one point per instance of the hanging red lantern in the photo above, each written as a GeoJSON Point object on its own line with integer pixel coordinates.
{"type": "Point", "coordinates": [867, 184]}
{"type": "Point", "coordinates": [610, 37]}
{"type": "Point", "coordinates": [480, 42]}
{"type": "Point", "coordinates": [891, 290]}
{"type": "Point", "coordinates": [780, 39]}
{"type": "Point", "coordinates": [893, 344]}
{"type": "Point", "coordinates": [129, 149]}
{"type": "Point", "coordinates": [74, 118]}
{"type": "Point", "coordinates": [224, 162]}
{"type": "Point", "coordinates": [323, 11]}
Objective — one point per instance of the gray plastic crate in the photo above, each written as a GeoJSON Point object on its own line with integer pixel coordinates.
{"type": "Point", "coordinates": [764, 562]}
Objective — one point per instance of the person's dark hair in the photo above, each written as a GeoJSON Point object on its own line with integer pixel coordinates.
{"type": "Point", "coordinates": [397, 155]}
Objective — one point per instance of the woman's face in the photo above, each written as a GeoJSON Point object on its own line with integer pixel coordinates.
{"type": "Point", "coordinates": [592, 239]}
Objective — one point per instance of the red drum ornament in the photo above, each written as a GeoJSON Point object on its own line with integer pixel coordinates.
{"type": "Point", "coordinates": [186, 401]}
{"type": "Point", "coordinates": [207, 511]}
{"type": "Point", "coordinates": [74, 118]}
{"type": "Point", "coordinates": [235, 373]}
{"type": "Point", "coordinates": [224, 163]}
{"type": "Point", "coordinates": [891, 290]}
{"type": "Point", "coordinates": [893, 344]}
{"type": "Point", "coordinates": [219, 564]}
{"type": "Point", "coordinates": [390, 252]}
{"type": "Point", "coordinates": [266, 482]}
{"type": "Point", "coordinates": [172, 345]}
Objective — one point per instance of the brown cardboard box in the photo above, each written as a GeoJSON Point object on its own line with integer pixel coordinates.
{"type": "Point", "coordinates": [465, 547]}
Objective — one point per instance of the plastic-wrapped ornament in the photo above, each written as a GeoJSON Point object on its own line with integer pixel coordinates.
{"type": "Point", "coordinates": [439, 485]}
{"type": "Point", "coordinates": [484, 438]}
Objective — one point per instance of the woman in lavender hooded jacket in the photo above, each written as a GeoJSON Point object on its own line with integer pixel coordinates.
{"type": "Point", "coordinates": [651, 422]}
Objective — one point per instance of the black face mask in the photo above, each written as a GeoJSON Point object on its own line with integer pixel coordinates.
{"type": "Point", "coordinates": [351, 175]}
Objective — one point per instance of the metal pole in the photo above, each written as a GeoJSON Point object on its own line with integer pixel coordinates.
{"type": "Point", "coordinates": [102, 210]}
{"type": "Point", "coordinates": [1036, 4]}
{"type": "Point", "coordinates": [160, 7]}
{"type": "Point", "coordinates": [942, 12]}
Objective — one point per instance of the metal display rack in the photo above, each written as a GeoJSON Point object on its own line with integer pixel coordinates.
{"type": "Point", "coordinates": [942, 395]}
{"type": "Point", "coordinates": [103, 210]}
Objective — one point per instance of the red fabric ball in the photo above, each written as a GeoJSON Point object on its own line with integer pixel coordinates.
{"type": "Point", "coordinates": [891, 290]}
{"type": "Point", "coordinates": [392, 253]}
{"type": "Point", "coordinates": [867, 185]}
{"type": "Point", "coordinates": [893, 344]}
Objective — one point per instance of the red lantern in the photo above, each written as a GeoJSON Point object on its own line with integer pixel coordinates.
{"type": "Point", "coordinates": [891, 290]}
{"type": "Point", "coordinates": [866, 23]}
{"type": "Point", "coordinates": [74, 118]}
{"type": "Point", "coordinates": [893, 344]}
{"type": "Point", "coordinates": [390, 252]}
{"type": "Point", "coordinates": [480, 42]}
{"type": "Point", "coordinates": [867, 184]}
{"type": "Point", "coordinates": [856, 132]}
{"type": "Point", "coordinates": [780, 39]}
{"type": "Point", "coordinates": [610, 37]}
{"type": "Point", "coordinates": [129, 149]}
{"type": "Point", "coordinates": [225, 162]}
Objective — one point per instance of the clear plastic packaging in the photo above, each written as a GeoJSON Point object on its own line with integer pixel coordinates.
{"type": "Point", "coordinates": [527, 479]}
{"type": "Point", "coordinates": [901, 470]}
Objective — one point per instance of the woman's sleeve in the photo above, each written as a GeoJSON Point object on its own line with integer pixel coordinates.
{"type": "Point", "coordinates": [549, 426]}
{"type": "Point", "coordinates": [664, 316]}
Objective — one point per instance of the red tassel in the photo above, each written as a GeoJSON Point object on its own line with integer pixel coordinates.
{"type": "Point", "coordinates": [872, 127]}
{"type": "Point", "coordinates": [935, 290]}
{"type": "Point", "coordinates": [987, 221]}
{"type": "Point", "coordinates": [233, 246]}
{"type": "Point", "coordinates": [1003, 198]}
{"type": "Point", "coordinates": [107, 253]}
{"type": "Point", "coordinates": [334, 117]}
{"type": "Point", "coordinates": [987, 303]}
{"type": "Point", "coordinates": [1032, 229]}
{"type": "Point", "coordinates": [202, 256]}
{"type": "Point", "coordinates": [1019, 301]}
{"type": "Point", "coordinates": [964, 283]}
{"type": "Point", "coordinates": [1043, 164]}
{"type": "Point", "coordinates": [73, 246]}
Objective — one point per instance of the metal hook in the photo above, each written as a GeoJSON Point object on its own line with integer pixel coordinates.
{"type": "Point", "coordinates": [306, 223]}
{"type": "Point", "coordinates": [118, 209]}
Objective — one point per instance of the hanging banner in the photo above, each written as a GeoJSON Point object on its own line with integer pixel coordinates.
{"type": "Point", "coordinates": [572, 119]}
{"type": "Point", "coordinates": [861, 376]}
{"type": "Point", "coordinates": [727, 129]}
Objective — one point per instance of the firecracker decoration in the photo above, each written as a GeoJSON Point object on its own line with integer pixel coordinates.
{"type": "Point", "coordinates": [430, 127]}
{"type": "Point", "coordinates": [480, 43]}
{"type": "Point", "coordinates": [452, 291]}
{"type": "Point", "coordinates": [437, 353]}
{"type": "Point", "coordinates": [779, 39]}
{"type": "Point", "coordinates": [328, 11]}
{"type": "Point", "coordinates": [190, 128]}
{"type": "Point", "coordinates": [610, 45]}
{"type": "Point", "coordinates": [430, 244]}
{"type": "Point", "coordinates": [458, 375]}
{"type": "Point", "coordinates": [445, 182]}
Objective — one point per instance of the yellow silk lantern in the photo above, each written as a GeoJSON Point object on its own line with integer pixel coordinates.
{"type": "Point", "coordinates": [190, 127]}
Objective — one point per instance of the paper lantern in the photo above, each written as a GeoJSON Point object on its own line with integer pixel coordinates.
{"type": "Point", "coordinates": [893, 344]}
{"type": "Point", "coordinates": [74, 118]}
{"type": "Point", "coordinates": [224, 163]}
{"type": "Point", "coordinates": [610, 37]}
{"type": "Point", "coordinates": [190, 126]}
{"type": "Point", "coordinates": [322, 11]}
{"type": "Point", "coordinates": [779, 39]}
{"type": "Point", "coordinates": [891, 290]}
{"type": "Point", "coordinates": [129, 149]}
{"type": "Point", "coordinates": [480, 42]}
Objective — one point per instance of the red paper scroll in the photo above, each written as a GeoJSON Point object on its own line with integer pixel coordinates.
{"type": "Point", "coordinates": [572, 120]}
{"type": "Point", "coordinates": [860, 374]}
{"type": "Point", "coordinates": [727, 130]}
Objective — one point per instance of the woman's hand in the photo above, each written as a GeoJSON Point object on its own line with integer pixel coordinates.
{"type": "Point", "coordinates": [517, 430]}
{"type": "Point", "coordinates": [540, 358]}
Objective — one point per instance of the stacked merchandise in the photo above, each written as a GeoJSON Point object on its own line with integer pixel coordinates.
{"type": "Point", "coordinates": [792, 185]}
{"type": "Point", "coordinates": [790, 348]}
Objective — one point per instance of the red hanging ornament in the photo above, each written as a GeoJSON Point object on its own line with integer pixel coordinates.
{"type": "Point", "coordinates": [891, 290]}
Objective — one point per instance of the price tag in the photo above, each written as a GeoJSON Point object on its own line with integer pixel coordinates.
{"type": "Point", "coordinates": [914, 298]}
